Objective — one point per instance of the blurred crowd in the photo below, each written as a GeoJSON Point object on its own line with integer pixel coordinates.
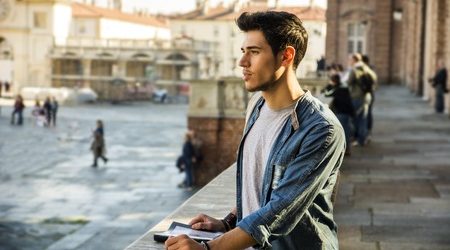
{"type": "Point", "coordinates": [352, 93]}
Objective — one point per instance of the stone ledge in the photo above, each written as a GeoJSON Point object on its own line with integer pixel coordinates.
{"type": "Point", "coordinates": [216, 199]}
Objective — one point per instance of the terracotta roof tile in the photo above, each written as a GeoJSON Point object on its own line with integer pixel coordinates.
{"type": "Point", "coordinates": [84, 10]}
{"type": "Point", "coordinates": [221, 13]}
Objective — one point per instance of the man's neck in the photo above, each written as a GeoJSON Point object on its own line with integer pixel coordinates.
{"type": "Point", "coordinates": [286, 92]}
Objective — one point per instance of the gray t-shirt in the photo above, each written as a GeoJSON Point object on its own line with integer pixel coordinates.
{"type": "Point", "coordinates": [257, 148]}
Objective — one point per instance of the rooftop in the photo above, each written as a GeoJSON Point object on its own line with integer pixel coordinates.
{"type": "Point", "coordinates": [88, 11]}
{"type": "Point", "coordinates": [223, 13]}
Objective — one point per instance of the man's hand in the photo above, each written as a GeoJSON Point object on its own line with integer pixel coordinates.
{"type": "Point", "coordinates": [205, 222]}
{"type": "Point", "coordinates": [182, 242]}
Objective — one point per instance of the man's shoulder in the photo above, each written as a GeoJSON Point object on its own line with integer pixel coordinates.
{"type": "Point", "coordinates": [311, 112]}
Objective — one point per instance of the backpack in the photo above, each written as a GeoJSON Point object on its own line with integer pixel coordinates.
{"type": "Point", "coordinates": [366, 81]}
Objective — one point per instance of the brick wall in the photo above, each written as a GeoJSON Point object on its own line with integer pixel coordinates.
{"type": "Point", "coordinates": [332, 41]}
{"type": "Point", "coordinates": [220, 140]}
{"type": "Point", "coordinates": [377, 16]}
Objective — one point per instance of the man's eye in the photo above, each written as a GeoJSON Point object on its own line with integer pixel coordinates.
{"type": "Point", "coordinates": [254, 52]}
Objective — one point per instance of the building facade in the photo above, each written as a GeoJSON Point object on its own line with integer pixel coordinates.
{"type": "Point", "coordinates": [28, 30]}
{"type": "Point", "coordinates": [403, 38]}
{"type": "Point", "coordinates": [63, 44]}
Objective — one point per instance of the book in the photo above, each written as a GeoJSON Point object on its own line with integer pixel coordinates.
{"type": "Point", "coordinates": [177, 228]}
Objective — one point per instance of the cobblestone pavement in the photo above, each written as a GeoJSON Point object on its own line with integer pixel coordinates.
{"type": "Point", "coordinates": [52, 199]}
{"type": "Point", "coordinates": [395, 192]}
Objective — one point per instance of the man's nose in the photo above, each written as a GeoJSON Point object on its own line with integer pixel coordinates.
{"type": "Point", "coordinates": [244, 62]}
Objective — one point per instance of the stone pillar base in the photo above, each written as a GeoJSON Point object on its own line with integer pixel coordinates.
{"type": "Point", "coordinates": [220, 139]}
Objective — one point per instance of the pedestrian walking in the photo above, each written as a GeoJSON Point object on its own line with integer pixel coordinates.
{"type": "Point", "coordinates": [439, 83]}
{"type": "Point", "coordinates": [290, 153]}
{"type": "Point", "coordinates": [98, 146]}
{"type": "Point", "coordinates": [54, 110]}
{"type": "Point", "coordinates": [18, 108]}
{"type": "Point", "coordinates": [47, 106]}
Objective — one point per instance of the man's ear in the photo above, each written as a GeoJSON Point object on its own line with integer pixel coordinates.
{"type": "Point", "coordinates": [288, 55]}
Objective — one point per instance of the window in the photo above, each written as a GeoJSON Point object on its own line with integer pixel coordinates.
{"type": "Point", "coordinates": [39, 20]}
{"type": "Point", "coordinates": [102, 68]}
{"type": "Point", "coordinates": [67, 67]}
{"type": "Point", "coordinates": [136, 69]}
{"type": "Point", "coordinates": [356, 39]}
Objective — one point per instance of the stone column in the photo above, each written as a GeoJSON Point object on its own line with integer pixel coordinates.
{"type": "Point", "coordinates": [216, 114]}
{"type": "Point", "coordinates": [86, 72]}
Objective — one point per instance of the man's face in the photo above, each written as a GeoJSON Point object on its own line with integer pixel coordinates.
{"type": "Point", "coordinates": [351, 61]}
{"type": "Point", "coordinates": [260, 68]}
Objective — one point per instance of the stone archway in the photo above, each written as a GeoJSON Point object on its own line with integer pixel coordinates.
{"type": "Point", "coordinates": [6, 66]}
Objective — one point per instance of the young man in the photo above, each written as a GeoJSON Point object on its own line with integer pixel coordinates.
{"type": "Point", "coordinates": [290, 153]}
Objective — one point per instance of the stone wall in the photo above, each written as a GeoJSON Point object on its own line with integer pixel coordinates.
{"type": "Point", "coordinates": [216, 114]}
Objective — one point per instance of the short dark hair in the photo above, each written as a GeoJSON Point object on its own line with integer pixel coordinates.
{"type": "Point", "coordinates": [281, 29]}
{"type": "Point", "coordinates": [336, 79]}
{"type": "Point", "coordinates": [365, 59]}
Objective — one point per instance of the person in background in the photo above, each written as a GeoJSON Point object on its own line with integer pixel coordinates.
{"type": "Point", "coordinates": [39, 114]}
{"type": "Point", "coordinates": [321, 66]}
{"type": "Point", "coordinates": [188, 159]}
{"type": "Point", "coordinates": [98, 146]}
{"type": "Point", "coordinates": [19, 106]}
{"type": "Point", "coordinates": [361, 97]}
{"type": "Point", "coordinates": [342, 107]}
{"type": "Point", "coordinates": [7, 86]}
{"type": "Point", "coordinates": [366, 60]}
{"type": "Point", "coordinates": [439, 83]}
{"type": "Point", "coordinates": [48, 111]}
{"type": "Point", "coordinates": [54, 110]}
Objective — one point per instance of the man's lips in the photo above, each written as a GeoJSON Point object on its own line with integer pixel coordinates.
{"type": "Point", "coordinates": [246, 75]}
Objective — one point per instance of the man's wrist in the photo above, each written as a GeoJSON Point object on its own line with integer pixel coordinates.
{"type": "Point", "coordinates": [229, 222]}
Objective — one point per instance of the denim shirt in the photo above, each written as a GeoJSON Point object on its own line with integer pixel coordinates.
{"type": "Point", "coordinates": [296, 211]}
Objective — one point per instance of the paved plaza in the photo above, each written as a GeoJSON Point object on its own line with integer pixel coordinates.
{"type": "Point", "coordinates": [52, 199]}
{"type": "Point", "coordinates": [394, 194]}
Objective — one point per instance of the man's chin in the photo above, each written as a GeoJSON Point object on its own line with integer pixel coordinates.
{"type": "Point", "coordinates": [250, 88]}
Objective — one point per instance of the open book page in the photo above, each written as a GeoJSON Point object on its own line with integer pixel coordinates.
{"type": "Point", "coordinates": [177, 228]}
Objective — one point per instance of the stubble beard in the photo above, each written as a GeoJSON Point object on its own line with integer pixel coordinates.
{"type": "Point", "coordinates": [271, 84]}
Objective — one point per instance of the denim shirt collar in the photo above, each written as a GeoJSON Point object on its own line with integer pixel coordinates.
{"type": "Point", "coordinates": [294, 113]}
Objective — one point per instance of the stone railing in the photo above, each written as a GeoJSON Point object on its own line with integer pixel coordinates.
{"type": "Point", "coordinates": [227, 97]}
{"type": "Point", "coordinates": [140, 44]}
{"type": "Point", "coordinates": [218, 98]}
